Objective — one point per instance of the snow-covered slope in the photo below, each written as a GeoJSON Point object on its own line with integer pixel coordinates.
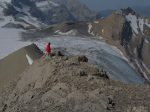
{"type": "Point", "coordinates": [133, 21]}
{"type": "Point", "coordinates": [137, 23]}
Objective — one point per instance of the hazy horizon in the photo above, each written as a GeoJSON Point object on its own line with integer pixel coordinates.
{"type": "Point", "coordinates": [98, 5]}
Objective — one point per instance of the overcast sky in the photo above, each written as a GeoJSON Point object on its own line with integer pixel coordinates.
{"type": "Point", "coordinates": [114, 4]}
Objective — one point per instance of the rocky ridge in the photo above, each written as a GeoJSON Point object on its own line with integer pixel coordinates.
{"type": "Point", "coordinates": [70, 84]}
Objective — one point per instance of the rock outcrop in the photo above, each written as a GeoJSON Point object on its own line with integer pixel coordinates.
{"type": "Point", "coordinates": [14, 64]}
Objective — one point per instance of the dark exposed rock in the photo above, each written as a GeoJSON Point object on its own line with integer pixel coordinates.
{"type": "Point", "coordinates": [82, 59]}
{"type": "Point", "coordinates": [10, 10]}
{"type": "Point", "coordinates": [59, 53]}
{"type": "Point", "coordinates": [128, 10]}
{"type": "Point", "coordinates": [4, 108]}
{"type": "Point", "coordinates": [140, 48]}
{"type": "Point", "coordinates": [82, 73]}
{"type": "Point", "coordinates": [126, 34]}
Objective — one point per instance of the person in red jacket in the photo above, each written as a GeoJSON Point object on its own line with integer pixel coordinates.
{"type": "Point", "coordinates": [48, 49]}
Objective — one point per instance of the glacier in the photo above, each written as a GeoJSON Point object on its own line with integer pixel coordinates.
{"type": "Point", "coordinates": [99, 53]}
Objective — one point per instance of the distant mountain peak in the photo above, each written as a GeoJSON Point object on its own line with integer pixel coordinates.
{"type": "Point", "coordinates": [46, 11]}
{"type": "Point", "coordinates": [128, 10]}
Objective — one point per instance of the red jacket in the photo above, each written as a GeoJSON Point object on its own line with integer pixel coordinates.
{"type": "Point", "coordinates": [48, 48]}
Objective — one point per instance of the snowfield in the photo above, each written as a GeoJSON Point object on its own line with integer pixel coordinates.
{"type": "Point", "coordinates": [133, 19]}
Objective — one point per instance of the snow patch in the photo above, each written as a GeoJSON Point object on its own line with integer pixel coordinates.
{"type": "Point", "coordinates": [146, 23]}
{"type": "Point", "coordinates": [90, 28]}
{"type": "Point", "coordinates": [53, 3]}
{"type": "Point", "coordinates": [133, 19]}
{"type": "Point", "coordinates": [120, 53]}
{"type": "Point", "coordinates": [146, 41]}
{"type": "Point", "coordinates": [71, 32]}
{"type": "Point", "coordinates": [141, 24]}
{"type": "Point", "coordinates": [8, 1]}
{"type": "Point", "coordinates": [103, 30]}
{"type": "Point", "coordinates": [96, 22]}
{"type": "Point", "coordinates": [46, 5]}
{"type": "Point", "coordinates": [42, 3]}
{"type": "Point", "coordinates": [30, 61]}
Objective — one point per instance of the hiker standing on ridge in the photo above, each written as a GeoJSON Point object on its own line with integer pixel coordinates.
{"type": "Point", "coordinates": [48, 49]}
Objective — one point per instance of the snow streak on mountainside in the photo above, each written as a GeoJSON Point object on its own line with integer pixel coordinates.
{"type": "Point", "coordinates": [133, 19]}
